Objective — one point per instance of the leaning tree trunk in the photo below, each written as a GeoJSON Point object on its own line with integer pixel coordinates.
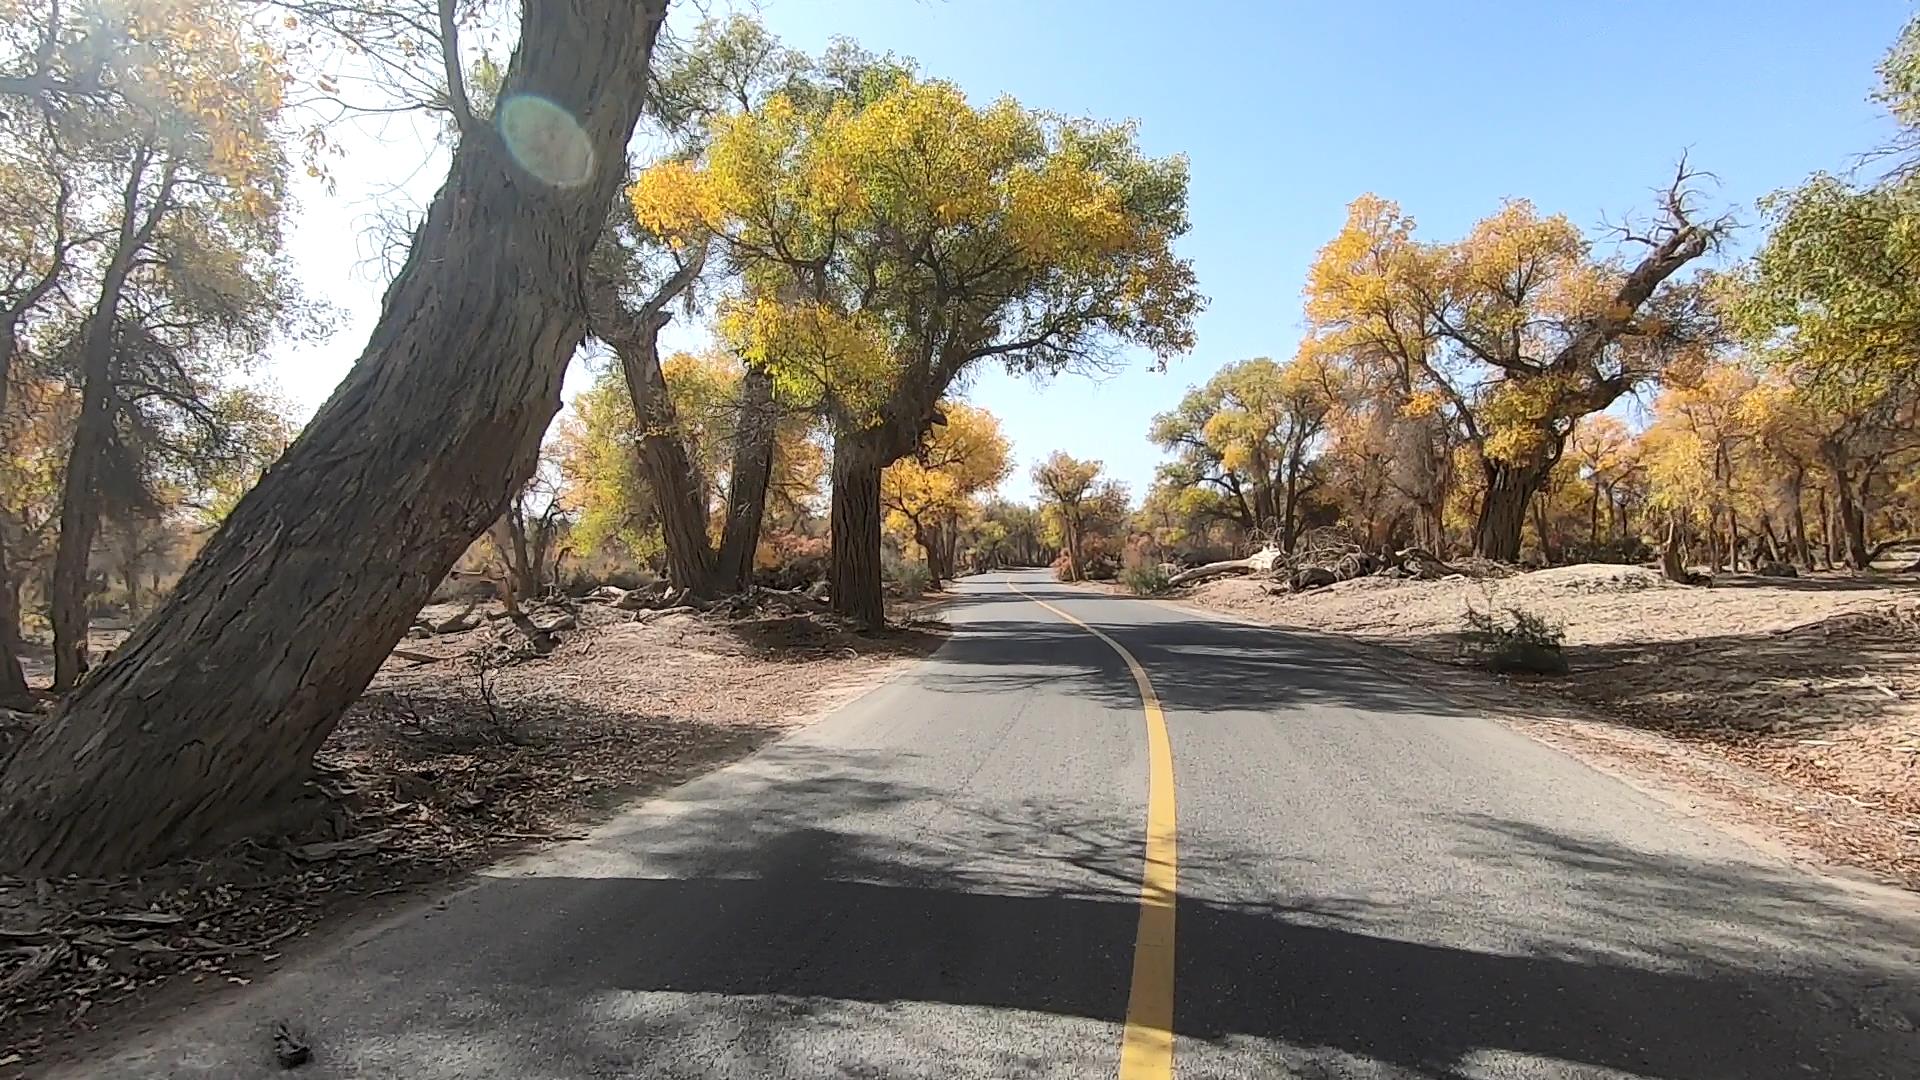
{"type": "Point", "coordinates": [1503, 510]}
{"type": "Point", "coordinates": [854, 518]}
{"type": "Point", "coordinates": [80, 489]}
{"type": "Point", "coordinates": [750, 475]}
{"type": "Point", "coordinates": [215, 705]}
{"type": "Point", "coordinates": [663, 457]}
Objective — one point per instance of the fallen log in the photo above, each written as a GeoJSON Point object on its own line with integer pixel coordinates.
{"type": "Point", "coordinates": [1260, 562]}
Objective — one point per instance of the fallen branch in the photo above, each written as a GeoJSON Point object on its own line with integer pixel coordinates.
{"type": "Point", "coordinates": [1260, 562]}
{"type": "Point", "coordinates": [419, 657]}
{"type": "Point", "coordinates": [38, 964]}
{"type": "Point", "coordinates": [343, 849]}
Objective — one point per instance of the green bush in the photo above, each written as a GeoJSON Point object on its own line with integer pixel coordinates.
{"type": "Point", "coordinates": [912, 578]}
{"type": "Point", "coordinates": [1515, 639]}
{"type": "Point", "coordinates": [1144, 580]}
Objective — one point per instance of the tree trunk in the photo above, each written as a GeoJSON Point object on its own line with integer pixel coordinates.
{"type": "Point", "coordinates": [930, 546]}
{"type": "Point", "coordinates": [1503, 510]}
{"type": "Point", "coordinates": [750, 476]}
{"type": "Point", "coordinates": [1798, 548]}
{"type": "Point", "coordinates": [1538, 511]}
{"type": "Point", "coordinates": [1672, 565]}
{"type": "Point", "coordinates": [1733, 540]}
{"type": "Point", "coordinates": [13, 678]}
{"type": "Point", "coordinates": [1826, 531]}
{"type": "Point", "coordinates": [663, 457]}
{"type": "Point", "coordinates": [1076, 566]}
{"type": "Point", "coordinates": [1289, 511]}
{"type": "Point", "coordinates": [854, 518]}
{"type": "Point", "coordinates": [80, 490]}
{"type": "Point", "coordinates": [93, 429]}
{"type": "Point", "coordinates": [1853, 525]}
{"type": "Point", "coordinates": [213, 708]}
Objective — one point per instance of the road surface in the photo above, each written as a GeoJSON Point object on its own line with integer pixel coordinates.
{"type": "Point", "coordinates": [945, 879]}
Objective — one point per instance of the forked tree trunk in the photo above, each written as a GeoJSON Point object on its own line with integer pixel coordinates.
{"type": "Point", "coordinates": [215, 705]}
{"type": "Point", "coordinates": [750, 474]}
{"type": "Point", "coordinates": [854, 574]}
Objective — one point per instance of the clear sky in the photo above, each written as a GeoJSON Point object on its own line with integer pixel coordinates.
{"type": "Point", "coordinates": [1287, 111]}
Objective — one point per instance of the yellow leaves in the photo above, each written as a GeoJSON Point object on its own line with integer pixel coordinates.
{"type": "Point", "coordinates": [198, 73]}
{"type": "Point", "coordinates": [1515, 417]}
{"type": "Point", "coordinates": [674, 199]}
{"type": "Point", "coordinates": [1064, 212]}
{"type": "Point", "coordinates": [1422, 404]}
{"type": "Point", "coordinates": [815, 354]}
{"type": "Point", "coordinates": [957, 461]}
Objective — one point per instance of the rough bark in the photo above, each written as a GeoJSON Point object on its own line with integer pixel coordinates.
{"type": "Point", "coordinates": [1503, 509]}
{"type": "Point", "coordinates": [670, 470]}
{"type": "Point", "coordinates": [215, 705]}
{"type": "Point", "coordinates": [854, 518]}
{"type": "Point", "coordinates": [750, 475]}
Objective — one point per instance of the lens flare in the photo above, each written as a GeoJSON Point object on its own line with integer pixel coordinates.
{"type": "Point", "coordinates": [545, 139]}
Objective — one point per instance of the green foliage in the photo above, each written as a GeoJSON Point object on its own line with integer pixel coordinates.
{"type": "Point", "coordinates": [912, 578]}
{"type": "Point", "coordinates": [1831, 295]}
{"type": "Point", "coordinates": [1146, 580]}
{"type": "Point", "coordinates": [1515, 639]}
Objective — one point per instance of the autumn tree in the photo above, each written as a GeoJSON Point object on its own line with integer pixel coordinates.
{"type": "Point", "coordinates": [1015, 534]}
{"type": "Point", "coordinates": [1244, 442]}
{"type": "Point", "coordinates": [890, 235]}
{"type": "Point", "coordinates": [1827, 304]}
{"type": "Point", "coordinates": [928, 493]}
{"type": "Point", "coordinates": [215, 705]}
{"type": "Point", "coordinates": [1512, 334]}
{"type": "Point", "coordinates": [1070, 488]}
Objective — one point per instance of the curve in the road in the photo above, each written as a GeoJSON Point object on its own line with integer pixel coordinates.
{"type": "Point", "coordinates": [1146, 1048]}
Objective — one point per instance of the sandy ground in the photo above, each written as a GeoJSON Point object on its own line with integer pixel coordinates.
{"type": "Point", "coordinates": [1799, 698]}
{"type": "Point", "coordinates": [460, 753]}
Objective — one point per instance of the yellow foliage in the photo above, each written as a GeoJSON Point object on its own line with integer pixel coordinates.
{"type": "Point", "coordinates": [958, 461]}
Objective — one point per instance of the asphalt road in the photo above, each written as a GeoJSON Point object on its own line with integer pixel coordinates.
{"type": "Point", "coordinates": [944, 880]}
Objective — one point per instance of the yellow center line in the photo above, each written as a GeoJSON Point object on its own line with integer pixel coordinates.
{"type": "Point", "coordinates": [1146, 1047]}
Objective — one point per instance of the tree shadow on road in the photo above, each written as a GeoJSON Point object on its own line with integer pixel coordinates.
{"type": "Point", "coordinates": [1197, 666]}
{"type": "Point", "coordinates": [787, 929]}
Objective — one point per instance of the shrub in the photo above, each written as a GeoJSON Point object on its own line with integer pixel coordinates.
{"type": "Point", "coordinates": [790, 560]}
{"type": "Point", "coordinates": [1515, 639]}
{"type": "Point", "coordinates": [1144, 580]}
{"type": "Point", "coordinates": [912, 578]}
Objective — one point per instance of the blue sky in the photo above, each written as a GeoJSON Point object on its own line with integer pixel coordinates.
{"type": "Point", "coordinates": [1288, 110]}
